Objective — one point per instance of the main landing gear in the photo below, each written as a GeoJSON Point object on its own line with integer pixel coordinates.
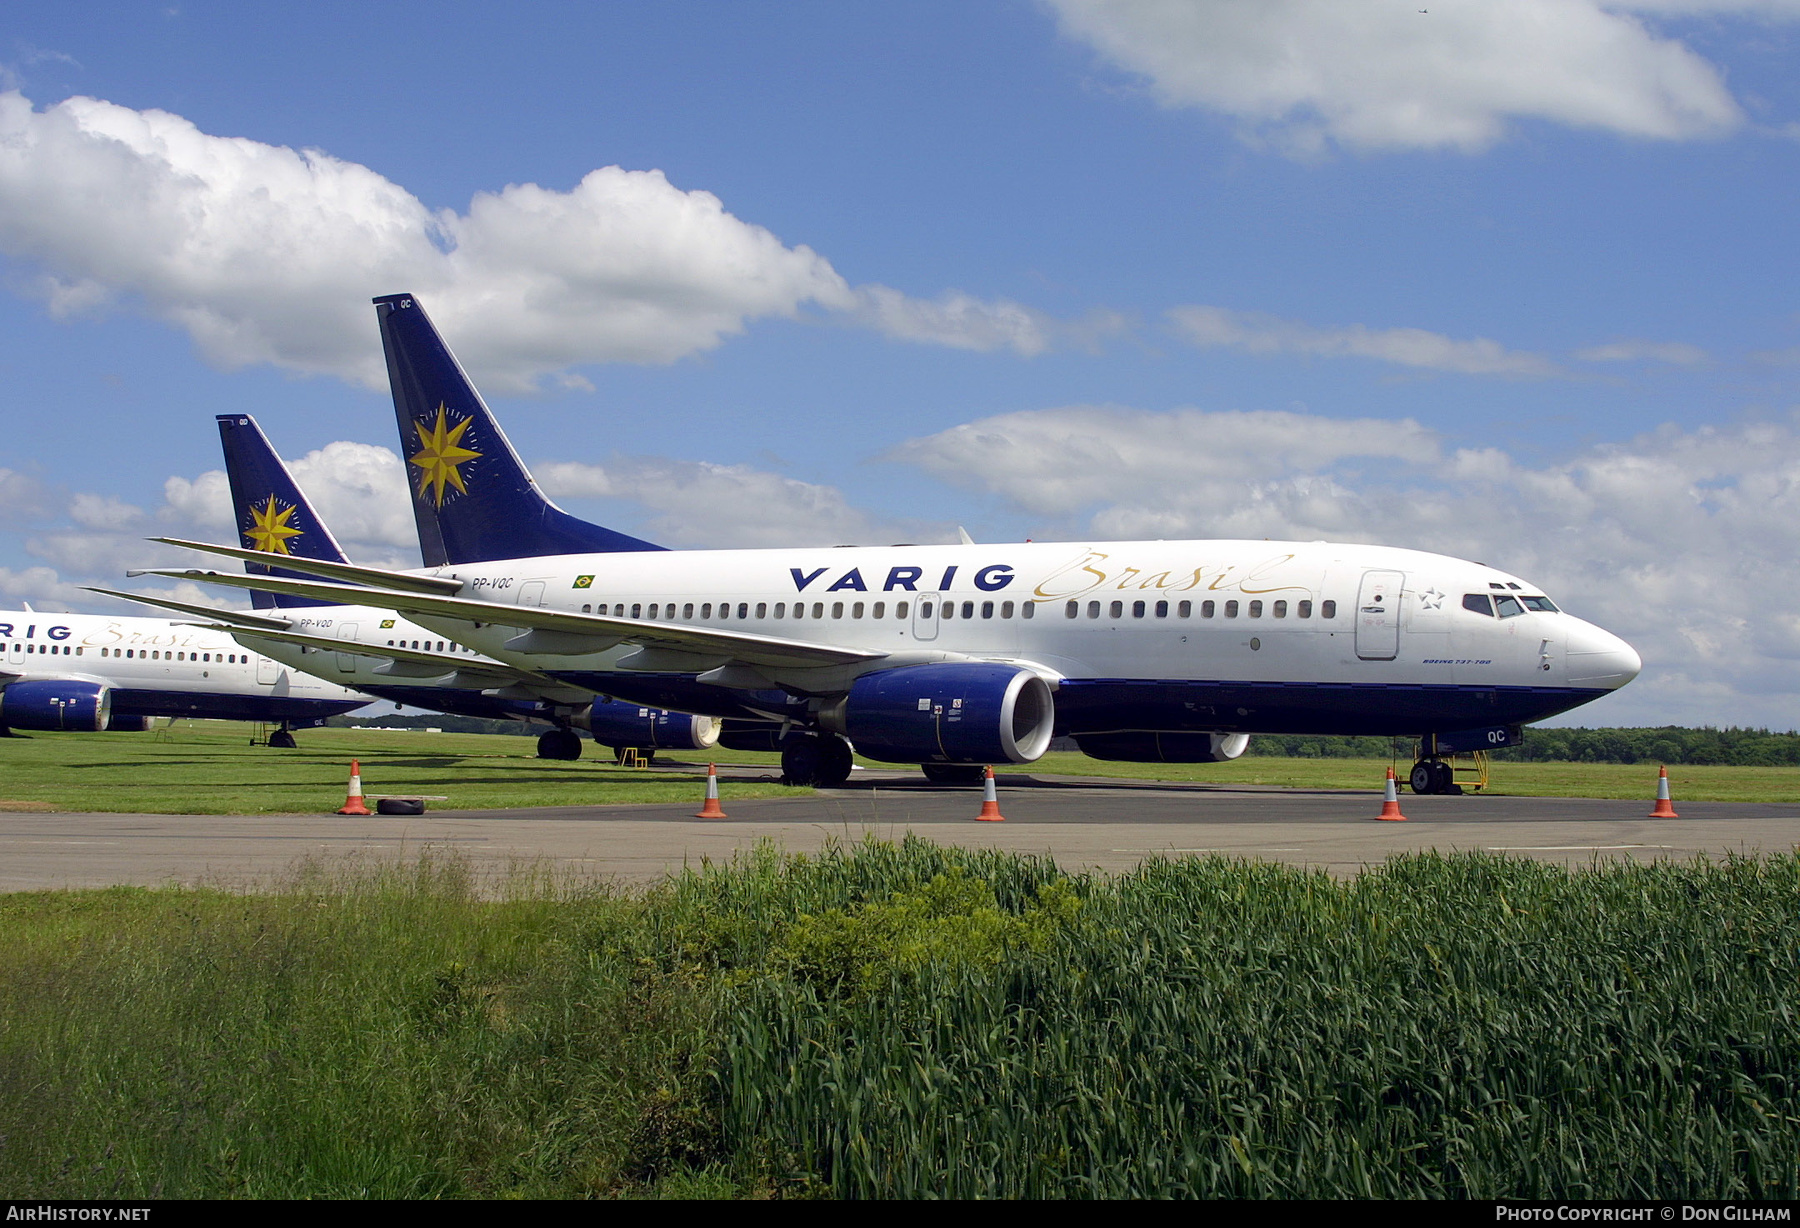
{"type": "Point", "coordinates": [559, 744]}
{"type": "Point", "coordinates": [1433, 776]}
{"type": "Point", "coordinates": [283, 738]}
{"type": "Point", "coordinates": [823, 760]}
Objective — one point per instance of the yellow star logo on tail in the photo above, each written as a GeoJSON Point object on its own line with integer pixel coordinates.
{"type": "Point", "coordinates": [440, 452]}
{"type": "Point", "coordinates": [269, 528]}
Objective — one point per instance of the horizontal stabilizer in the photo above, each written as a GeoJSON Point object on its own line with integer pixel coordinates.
{"type": "Point", "coordinates": [240, 619]}
{"type": "Point", "coordinates": [349, 573]}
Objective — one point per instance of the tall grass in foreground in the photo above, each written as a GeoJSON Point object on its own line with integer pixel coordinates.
{"type": "Point", "coordinates": [914, 1020]}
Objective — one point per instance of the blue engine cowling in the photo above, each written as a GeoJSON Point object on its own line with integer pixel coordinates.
{"type": "Point", "coordinates": [619, 724]}
{"type": "Point", "coordinates": [962, 712]}
{"type": "Point", "coordinates": [1163, 747]}
{"type": "Point", "coordinates": [56, 704]}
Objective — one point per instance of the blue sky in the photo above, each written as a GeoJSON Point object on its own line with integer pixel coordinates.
{"type": "Point", "coordinates": [1510, 281]}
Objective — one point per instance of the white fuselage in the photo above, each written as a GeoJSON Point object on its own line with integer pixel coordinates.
{"type": "Point", "coordinates": [154, 667]}
{"type": "Point", "coordinates": [1292, 622]}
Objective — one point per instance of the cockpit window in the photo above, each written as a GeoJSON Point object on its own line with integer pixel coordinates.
{"type": "Point", "coordinates": [1540, 603]}
{"type": "Point", "coordinates": [1478, 602]}
{"type": "Point", "coordinates": [1507, 606]}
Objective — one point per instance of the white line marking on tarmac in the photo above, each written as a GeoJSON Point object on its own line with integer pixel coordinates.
{"type": "Point", "coordinates": [1565, 848]}
{"type": "Point", "coordinates": [1166, 849]}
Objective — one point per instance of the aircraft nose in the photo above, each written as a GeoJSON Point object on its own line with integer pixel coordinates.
{"type": "Point", "coordinates": [1599, 659]}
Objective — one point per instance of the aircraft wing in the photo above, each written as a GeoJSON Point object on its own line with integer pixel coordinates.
{"type": "Point", "coordinates": [347, 572]}
{"type": "Point", "coordinates": [559, 632]}
{"type": "Point", "coordinates": [241, 620]}
{"type": "Point", "coordinates": [434, 664]}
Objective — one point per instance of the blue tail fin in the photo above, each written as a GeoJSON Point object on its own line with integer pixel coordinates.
{"type": "Point", "coordinates": [473, 498]}
{"type": "Point", "coordinates": [271, 512]}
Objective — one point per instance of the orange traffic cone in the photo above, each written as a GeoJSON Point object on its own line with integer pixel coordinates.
{"type": "Point", "coordinates": [711, 809]}
{"type": "Point", "coordinates": [1664, 810]}
{"type": "Point", "coordinates": [1390, 805]}
{"type": "Point", "coordinates": [990, 802]}
{"type": "Point", "coordinates": [353, 803]}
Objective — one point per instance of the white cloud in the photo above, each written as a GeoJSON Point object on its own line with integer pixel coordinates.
{"type": "Point", "coordinates": [1682, 541]}
{"type": "Point", "coordinates": [731, 506]}
{"type": "Point", "coordinates": [24, 498]}
{"type": "Point", "coordinates": [1382, 74]}
{"type": "Point", "coordinates": [1059, 461]}
{"type": "Point", "coordinates": [268, 254]}
{"type": "Point", "coordinates": [360, 491]}
{"type": "Point", "coordinates": [1633, 349]}
{"type": "Point", "coordinates": [104, 512]}
{"type": "Point", "coordinates": [1256, 333]}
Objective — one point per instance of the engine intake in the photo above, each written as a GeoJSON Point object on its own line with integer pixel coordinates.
{"type": "Point", "coordinates": [55, 704]}
{"type": "Point", "coordinates": [619, 724]}
{"type": "Point", "coordinates": [1163, 747]}
{"type": "Point", "coordinates": [963, 712]}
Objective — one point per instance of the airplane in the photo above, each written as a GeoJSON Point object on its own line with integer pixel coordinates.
{"type": "Point", "coordinates": [389, 657]}
{"type": "Point", "coordinates": [956, 657]}
{"type": "Point", "coordinates": [99, 673]}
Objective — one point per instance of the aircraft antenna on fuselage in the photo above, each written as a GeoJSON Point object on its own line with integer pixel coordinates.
{"type": "Point", "coordinates": [473, 499]}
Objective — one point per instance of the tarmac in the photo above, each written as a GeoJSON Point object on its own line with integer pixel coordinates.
{"type": "Point", "coordinates": [1082, 822]}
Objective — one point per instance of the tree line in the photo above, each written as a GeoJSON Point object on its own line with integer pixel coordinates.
{"type": "Point", "coordinates": [1671, 744]}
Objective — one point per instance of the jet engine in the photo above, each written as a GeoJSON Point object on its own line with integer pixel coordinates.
{"type": "Point", "coordinates": [961, 712]}
{"type": "Point", "coordinates": [621, 724]}
{"type": "Point", "coordinates": [1163, 747]}
{"type": "Point", "coordinates": [56, 704]}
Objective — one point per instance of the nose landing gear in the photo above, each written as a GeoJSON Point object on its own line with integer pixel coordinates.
{"type": "Point", "coordinates": [1433, 776]}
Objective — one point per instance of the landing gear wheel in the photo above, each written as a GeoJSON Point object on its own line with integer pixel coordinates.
{"type": "Point", "coordinates": [820, 761]}
{"type": "Point", "coordinates": [559, 744]}
{"type": "Point", "coordinates": [1422, 780]}
{"type": "Point", "coordinates": [281, 739]}
{"type": "Point", "coordinates": [1443, 778]}
{"type": "Point", "coordinates": [954, 773]}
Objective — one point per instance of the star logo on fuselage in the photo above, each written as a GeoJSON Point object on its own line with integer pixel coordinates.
{"type": "Point", "coordinates": [1431, 599]}
{"type": "Point", "coordinates": [439, 456]}
{"type": "Point", "coordinates": [269, 528]}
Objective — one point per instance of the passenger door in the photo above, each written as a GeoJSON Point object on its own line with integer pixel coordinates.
{"type": "Point", "coordinates": [1378, 615]}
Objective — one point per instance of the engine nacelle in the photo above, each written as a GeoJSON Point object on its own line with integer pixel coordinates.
{"type": "Point", "coordinates": [960, 712]}
{"type": "Point", "coordinates": [56, 704]}
{"type": "Point", "coordinates": [620, 724]}
{"type": "Point", "coordinates": [1163, 747]}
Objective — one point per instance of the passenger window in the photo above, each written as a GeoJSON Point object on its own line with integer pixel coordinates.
{"type": "Point", "coordinates": [637, 611]}
{"type": "Point", "coordinates": [1256, 609]}
{"type": "Point", "coordinates": [1117, 609]}
{"type": "Point", "coordinates": [1028, 610]}
{"type": "Point", "coordinates": [1006, 609]}
{"type": "Point", "coordinates": [1138, 609]}
{"type": "Point", "coordinates": [1072, 609]}
{"type": "Point", "coordinates": [706, 610]}
{"type": "Point", "coordinates": [968, 609]}
{"type": "Point", "coordinates": [949, 610]}
{"type": "Point", "coordinates": [799, 609]}
{"type": "Point", "coordinates": [1280, 610]}
{"type": "Point", "coordinates": [837, 609]}
{"type": "Point", "coordinates": [987, 609]}
{"type": "Point", "coordinates": [856, 610]}
{"type": "Point", "coordinates": [762, 609]}
{"type": "Point", "coordinates": [880, 610]}
{"type": "Point", "coordinates": [1185, 609]}
{"type": "Point", "coordinates": [1231, 609]}
{"type": "Point", "coordinates": [781, 609]}
{"type": "Point", "coordinates": [687, 611]}
{"type": "Point", "coordinates": [1328, 609]}
{"type": "Point", "coordinates": [900, 610]}
{"type": "Point", "coordinates": [1478, 603]}
{"type": "Point", "coordinates": [1304, 610]}
{"type": "Point", "coordinates": [653, 609]}
{"type": "Point", "coordinates": [1208, 609]}
{"type": "Point", "coordinates": [1162, 609]}
{"type": "Point", "coordinates": [1093, 609]}
{"type": "Point", "coordinates": [924, 609]}
{"type": "Point", "coordinates": [818, 609]}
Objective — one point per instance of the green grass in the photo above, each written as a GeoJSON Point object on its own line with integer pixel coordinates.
{"type": "Point", "coordinates": [912, 1020]}
{"type": "Point", "coordinates": [208, 767]}
{"type": "Point", "coordinates": [1608, 780]}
